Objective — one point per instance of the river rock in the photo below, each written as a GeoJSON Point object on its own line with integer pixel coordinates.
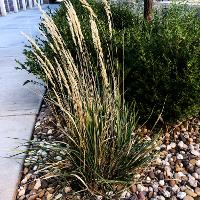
{"type": "Point", "coordinates": [195, 152]}
{"type": "Point", "coordinates": [197, 190]}
{"type": "Point", "coordinates": [198, 163]}
{"type": "Point", "coordinates": [190, 193]}
{"type": "Point", "coordinates": [181, 195]}
{"type": "Point", "coordinates": [188, 198]}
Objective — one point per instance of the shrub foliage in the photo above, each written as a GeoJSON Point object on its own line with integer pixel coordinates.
{"type": "Point", "coordinates": [160, 58]}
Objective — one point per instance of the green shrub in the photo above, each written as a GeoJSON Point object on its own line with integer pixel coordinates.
{"type": "Point", "coordinates": [162, 62]}
{"type": "Point", "coordinates": [105, 147]}
{"type": "Point", "coordinates": [161, 58]}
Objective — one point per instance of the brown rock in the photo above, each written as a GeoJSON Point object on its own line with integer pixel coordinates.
{"type": "Point", "coordinates": [173, 150]}
{"type": "Point", "coordinates": [193, 162]}
{"type": "Point", "coordinates": [174, 158]}
{"type": "Point", "coordinates": [150, 195]}
{"type": "Point", "coordinates": [172, 183]}
{"type": "Point", "coordinates": [33, 197]}
{"type": "Point", "coordinates": [31, 185]}
{"type": "Point", "coordinates": [22, 192]}
{"type": "Point", "coordinates": [37, 184]}
{"type": "Point", "coordinates": [32, 192]}
{"type": "Point", "coordinates": [197, 190]}
{"type": "Point", "coordinates": [48, 195]}
{"type": "Point", "coordinates": [190, 193]}
{"type": "Point", "coordinates": [178, 168]}
{"type": "Point", "coordinates": [190, 140]}
{"type": "Point", "coordinates": [41, 194]}
{"type": "Point", "coordinates": [133, 188]}
{"type": "Point", "coordinates": [26, 170]}
{"type": "Point", "coordinates": [151, 175]}
{"type": "Point", "coordinates": [188, 198]}
{"type": "Point", "coordinates": [118, 188]}
{"type": "Point", "coordinates": [50, 190]}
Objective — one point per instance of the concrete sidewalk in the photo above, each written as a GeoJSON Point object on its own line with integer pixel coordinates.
{"type": "Point", "coordinates": [19, 105]}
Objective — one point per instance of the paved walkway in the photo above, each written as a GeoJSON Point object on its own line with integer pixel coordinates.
{"type": "Point", "coordinates": [19, 104]}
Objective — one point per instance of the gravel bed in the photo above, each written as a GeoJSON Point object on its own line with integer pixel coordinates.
{"type": "Point", "coordinates": [175, 174]}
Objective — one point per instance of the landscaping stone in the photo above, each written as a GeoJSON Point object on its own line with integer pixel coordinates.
{"type": "Point", "coordinates": [174, 175]}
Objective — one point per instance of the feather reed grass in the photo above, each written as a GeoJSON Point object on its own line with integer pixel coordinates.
{"type": "Point", "coordinates": [104, 146]}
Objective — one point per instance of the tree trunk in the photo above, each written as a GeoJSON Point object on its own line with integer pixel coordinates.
{"type": "Point", "coordinates": [148, 4]}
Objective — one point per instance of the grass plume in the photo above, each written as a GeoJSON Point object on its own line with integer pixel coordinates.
{"type": "Point", "coordinates": [104, 146]}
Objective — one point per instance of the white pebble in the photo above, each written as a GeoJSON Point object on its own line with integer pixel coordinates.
{"type": "Point", "coordinates": [183, 188]}
{"type": "Point", "coordinates": [157, 148]}
{"type": "Point", "coordinates": [161, 182]}
{"type": "Point", "coordinates": [49, 132]}
{"type": "Point", "coordinates": [58, 196]}
{"type": "Point", "coordinates": [137, 176]}
{"type": "Point", "coordinates": [160, 198]}
{"type": "Point", "coordinates": [155, 185]}
{"type": "Point", "coordinates": [175, 188]}
{"type": "Point", "coordinates": [195, 153]}
{"type": "Point", "coordinates": [198, 163]}
{"type": "Point", "coordinates": [44, 154]}
{"type": "Point", "coordinates": [163, 146]}
{"type": "Point", "coordinates": [181, 195]}
{"type": "Point", "coordinates": [140, 188]}
{"type": "Point", "coordinates": [181, 144]}
{"type": "Point", "coordinates": [168, 147]}
{"type": "Point", "coordinates": [110, 193]}
{"type": "Point", "coordinates": [195, 175]}
{"type": "Point", "coordinates": [158, 161]}
{"type": "Point", "coordinates": [180, 174]}
{"type": "Point", "coordinates": [198, 171]}
{"type": "Point", "coordinates": [67, 189]}
{"type": "Point", "coordinates": [179, 157]}
{"type": "Point", "coordinates": [150, 189]}
{"type": "Point", "coordinates": [24, 180]}
{"type": "Point", "coordinates": [191, 147]}
{"type": "Point", "coordinates": [125, 194]}
{"type": "Point", "coordinates": [192, 181]}
{"type": "Point", "coordinates": [37, 184]}
{"type": "Point", "coordinates": [59, 158]}
{"type": "Point", "coordinates": [148, 179]}
{"type": "Point", "coordinates": [173, 145]}
{"type": "Point", "coordinates": [164, 162]}
{"type": "Point", "coordinates": [166, 194]}
{"type": "Point", "coordinates": [169, 173]}
{"type": "Point", "coordinates": [37, 124]}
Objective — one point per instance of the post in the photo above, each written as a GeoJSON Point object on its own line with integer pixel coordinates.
{"type": "Point", "coordinates": [3, 8]}
{"type": "Point", "coordinates": [15, 6]}
{"type": "Point", "coordinates": [34, 2]}
{"type": "Point", "coordinates": [41, 2]}
{"type": "Point", "coordinates": [148, 5]}
{"type": "Point", "coordinates": [30, 3]}
{"type": "Point", "coordinates": [23, 4]}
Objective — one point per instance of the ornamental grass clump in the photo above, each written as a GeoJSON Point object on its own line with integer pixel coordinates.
{"type": "Point", "coordinates": [104, 145]}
